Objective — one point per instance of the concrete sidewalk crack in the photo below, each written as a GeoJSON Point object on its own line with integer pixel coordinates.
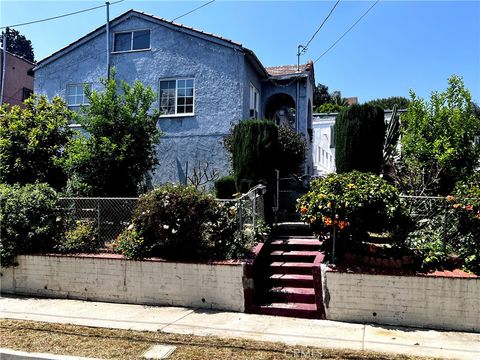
{"type": "Point", "coordinates": [180, 318]}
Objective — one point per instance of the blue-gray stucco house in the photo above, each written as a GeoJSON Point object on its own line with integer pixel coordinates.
{"type": "Point", "coordinates": [204, 84]}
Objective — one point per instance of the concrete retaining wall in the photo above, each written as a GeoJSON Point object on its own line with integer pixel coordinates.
{"type": "Point", "coordinates": [211, 286]}
{"type": "Point", "coordinates": [430, 302]}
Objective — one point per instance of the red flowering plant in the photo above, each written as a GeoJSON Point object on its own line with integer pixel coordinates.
{"type": "Point", "coordinates": [355, 204]}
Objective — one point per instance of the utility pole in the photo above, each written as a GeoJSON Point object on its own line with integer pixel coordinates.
{"type": "Point", "coordinates": [300, 50]}
{"type": "Point", "coordinates": [4, 65]}
{"type": "Point", "coordinates": [108, 38]}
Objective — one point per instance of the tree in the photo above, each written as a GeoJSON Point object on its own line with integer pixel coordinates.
{"type": "Point", "coordinates": [329, 108]}
{"type": "Point", "coordinates": [32, 141]}
{"type": "Point", "coordinates": [359, 135]}
{"type": "Point", "coordinates": [438, 147]}
{"type": "Point", "coordinates": [254, 149]}
{"type": "Point", "coordinates": [120, 147]}
{"type": "Point", "coordinates": [320, 95]}
{"type": "Point", "coordinates": [390, 102]}
{"type": "Point", "coordinates": [18, 44]}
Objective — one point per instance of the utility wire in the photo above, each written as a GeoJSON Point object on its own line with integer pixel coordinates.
{"type": "Point", "coordinates": [346, 32]}
{"type": "Point", "coordinates": [321, 25]}
{"type": "Point", "coordinates": [59, 16]}
{"type": "Point", "coordinates": [191, 11]}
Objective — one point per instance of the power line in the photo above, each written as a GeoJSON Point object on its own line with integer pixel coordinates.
{"type": "Point", "coordinates": [346, 32]}
{"type": "Point", "coordinates": [59, 16]}
{"type": "Point", "coordinates": [321, 25]}
{"type": "Point", "coordinates": [191, 11]}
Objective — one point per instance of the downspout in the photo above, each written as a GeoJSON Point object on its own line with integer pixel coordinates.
{"type": "Point", "coordinates": [108, 38]}
{"type": "Point", "coordinates": [4, 65]}
{"type": "Point", "coordinates": [297, 97]}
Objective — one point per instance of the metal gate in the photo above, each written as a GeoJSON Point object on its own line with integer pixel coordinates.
{"type": "Point", "coordinates": [287, 191]}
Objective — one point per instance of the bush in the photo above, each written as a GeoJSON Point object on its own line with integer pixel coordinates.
{"type": "Point", "coordinates": [28, 220]}
{"type": "Point", "coordinates": [225, 187]}
{"type": "Point", "coordinates": [183, 223]}
{"type": "Point", "coordinates": [359, 136]}
{"type": "Point", "coordinates": [292, 148]}
{"type": "Point", "coordinates": [357, 204]}
{"type": "Point", "coordinates": [171, 220]}
{"type": "Point", "coordinates": [254, 150]}
{"type": "Point", "coordinates": [82, 238]}
{"type": "Point", "coordinates": [329, 108]}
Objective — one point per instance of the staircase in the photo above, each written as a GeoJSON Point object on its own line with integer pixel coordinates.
{"type": "Point", "coordinates": [284, 278]}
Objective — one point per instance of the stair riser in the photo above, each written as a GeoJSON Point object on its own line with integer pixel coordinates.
{"type": "Point", "coordinates": [289, 297]}
{"type": "Point", "coordinates": [291, 283]}
{"type": "Point", "coordinates": [292, 258]}
{"type": "Point", "coordinates": [291, 270]}
{"type": "Point", "coordinates": [294, 247]}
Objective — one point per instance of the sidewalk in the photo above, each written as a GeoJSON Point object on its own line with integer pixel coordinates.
{"type": "Point", "coordinates": [319, 333]}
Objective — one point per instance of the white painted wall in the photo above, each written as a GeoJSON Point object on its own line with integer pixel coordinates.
{"type": "Point", "coordinates": [430, 302]}
{"type": "Point", "coordinates": [217, 286]}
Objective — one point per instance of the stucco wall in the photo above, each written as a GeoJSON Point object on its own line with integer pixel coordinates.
{"type": "Point", "coordinates": [430, 302]}
{"type": "Point", "coordinates": [16, 78]}
{"type": "Point", "coordinates": [218, 70]}
{"type": "Point", "coordinates": [216, 286]}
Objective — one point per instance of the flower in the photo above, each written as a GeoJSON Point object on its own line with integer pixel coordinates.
{"type": "Point", "coordinates": [350, 186]}
{"type": "Point", "coordinates": [311, 219]}
{"type": "Point", "coordinates": [130, 227]}
{"type": "Point", "coordinates": [456, 206]}
{"type": "Point", "coordinates": [166, 227]}
{"type": "Point", "coordinates": [303, 210]}
{"type": "Point", "coordinates": [450, 198]}
{"type": "Point", "coordinates": [327, 221]}
{"type": "Point", "coordinates": [469, 207]}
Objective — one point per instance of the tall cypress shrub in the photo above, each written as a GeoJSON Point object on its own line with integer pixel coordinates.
{"type": "Point", "coordinates": [359, 136]}
{"type": "Point", "coordinates": [254, 148]}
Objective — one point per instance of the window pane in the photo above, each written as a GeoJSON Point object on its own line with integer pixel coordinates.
{"type": "Point", "coordinates": [189, 83]}
{"type": "Point", "coordinates": [189, 100]}
{"type": "Point", "coordinates": [181, 101]}
{"type": "Point", "coordinates": [189, 109]}
{"type": "Point", "coordinates": [122, 42]}
{"type": "Point", "coordinates": [181, 83]}
{"type": "Point", "coordinates": [71, 100]}
{"type": "Point", "coordinates": [71, 90]}
{"type": "Point", "coordinates": [180, 109]}
{"type": "Point", "coordinates": [181, 92]}
{"type": "Point", "coordinates": [141, 39]}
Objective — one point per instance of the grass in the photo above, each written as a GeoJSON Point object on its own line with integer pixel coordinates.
{"type": "Point", "coordinates": [128, 344]}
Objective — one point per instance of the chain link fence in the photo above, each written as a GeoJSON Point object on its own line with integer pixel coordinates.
{"type": "Point", "coordinates": [111, 216]}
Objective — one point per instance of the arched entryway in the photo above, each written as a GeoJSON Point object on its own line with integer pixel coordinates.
{"type": "Point", "coordinates": [281, 109]}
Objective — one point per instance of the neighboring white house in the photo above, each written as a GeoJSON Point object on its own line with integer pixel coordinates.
{"type": "Point", "coordinates": [323, 147]}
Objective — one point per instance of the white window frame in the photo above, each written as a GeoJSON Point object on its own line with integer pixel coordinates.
{"type": "Point", "coordinates": [84, 98]}
{"type": "Point", "coordinates": [176, 79]}
{"type": "Point", "coordinates": [131, 41]}
{"type": "Point", "coordinates": [254, 102]}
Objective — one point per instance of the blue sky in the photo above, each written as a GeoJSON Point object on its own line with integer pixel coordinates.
{"type": "Point", "coordinates": [399, 45]}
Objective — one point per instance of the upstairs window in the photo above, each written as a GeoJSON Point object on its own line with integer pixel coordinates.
{"type": "Point", "coordinates": [26, 93]}
{"type": "Point", "coordinates": [254, 102]}
{"type": "Point", "coordinates": [76, 94]}
{"type": "Point", "coordinates": [177, 96]}
{"type": "Point", "coordinates": [131, 40]}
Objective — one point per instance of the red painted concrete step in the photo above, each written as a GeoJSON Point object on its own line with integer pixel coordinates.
{"type": "Point", "coordinates": [300, 310]}
{"type": "Point", "coordinates": [291, 280]}
{"type": "Point", "coordinates": [294, 255]}
{"type": "Point", "coordinates": [296, 242]}
{"type": "Point", "coordinates": [282, 267]}
{"type": "Point", "coordinates": [292, 294]}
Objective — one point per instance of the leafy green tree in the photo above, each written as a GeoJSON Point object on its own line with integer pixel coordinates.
{"type": "Point", "coordinates": [359, 136]}
{"type": "Point", "coordinates": [32, 140]}
{"type": "Point", "coordinates": [390, 102]}
{"type": "Point", "coordinates": [119, 149]}
{"type": "Point", "coordinates": [438, 147]}
{"type": "Point", "coordinates": [18, 44]}
{"type": "Point", "coordinates": [292, 149]}
{"type": "Point", "coordinates": [329, 108]}
{"type": "Point", "coordinates": [320, 95]}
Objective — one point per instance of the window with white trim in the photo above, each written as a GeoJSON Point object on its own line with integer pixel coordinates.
{"type": "Point", "coordinates": [177, 96]}
{"type": "Point", "coordinates": [76, 94]}
{"type": "Point", "coordinates": [254, 102]}
{"type": "Point", "coordinates": [131, 40]}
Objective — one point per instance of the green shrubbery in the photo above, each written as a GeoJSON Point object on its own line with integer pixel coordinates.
{"type": "Point", "coordinates": [357, 204]}
{"type": "Point", "coordinates": [29, 220]}
{"type": "Point", "coordinates": [225, 187]}
{"type": "Point", "coordinates": [81, 238]}
{"type": "Point", "coordinates": [183, 223]}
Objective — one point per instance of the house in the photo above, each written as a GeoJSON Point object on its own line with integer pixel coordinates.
{"type": "Point", "coordinates": [205, 83]}
{"type": "Point", "coordinates": [323, 145]}
{"type": "Point", "coordinates": [18, 79]}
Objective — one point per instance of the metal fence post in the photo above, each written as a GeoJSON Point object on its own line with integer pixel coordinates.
{"type": "Point", "coordinates": [254, 209]}
{"type": "Point", "coordinates": [334, 233]}
{"type": "Point", "coordinates": [445, 228]}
